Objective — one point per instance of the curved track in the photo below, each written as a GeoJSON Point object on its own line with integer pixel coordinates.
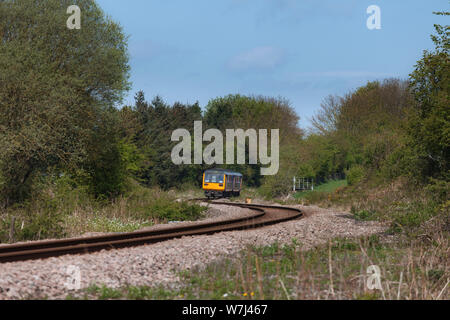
{"type": "Point", "coordinates": [263, 215]}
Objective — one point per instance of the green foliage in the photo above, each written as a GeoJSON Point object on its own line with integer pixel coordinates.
{"type": "Point", "coordinates": [176, 211]}
{"type": "Point", "coordinates": [355, 174]}
{"type": "Point", "coordinates": [363, 215]}
{"type": "Point", "coordinates": [54, 84]}
{"type": "Point", "coordinates": [322, 191]}
{"type": "Point", "coordinates": [429, 128]}
{"type": "Point", "coordinates": [305, 170]}
{"type": "Point", "coordinates": [34, 221]}
{"type": "Point", "coordinates": [130, 156]}
{"type": "Point", "coordinates": [99, 223]}
{"type": "Point", "coordinates": [45, 224]}
{"type": "Point", "coordinates": [390, 128]}
{"type": "Point", "coordinates": [439, 189]}
{"type": "Point", "coordinates": [385, 131]}
{"type": "Point", "coordinates": [103, 292]}
{"type": "Point", "coordinates": [237, 111]}
{"type": "Point", "coordinates": [61, 207]}
{"type": "Point", "coordinates": [276, 186]}
{"type": "Point", "coordinates": [410, 217]}
{"type": "Point", "coordinates": [148, 128]}
{"type": "Point", "coordinates": [321, 154]}
{"type": "Point", "coordinates": [435, 274]}
{"type": "Point", "coordinates": [401, 161]}
{"type": "Point", "coordinates": [331, 186]}
{"type": "Point", "coordinates": [65, 148]}
{"type": "Point", "coordinates": [250, 112]}
{"type": "Point", "coordinates": [288, 271]}
{"type": "Point", "coordinates": [362, 129]}
{"type": "Point", "coordinates": [105, 166]}
{"type": "Point", "coordinates": [145, 204]}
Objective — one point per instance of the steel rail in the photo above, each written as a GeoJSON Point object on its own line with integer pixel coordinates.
{"type": "Point", "coordinates": [264, 215]}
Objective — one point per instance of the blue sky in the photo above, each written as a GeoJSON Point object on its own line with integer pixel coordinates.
{"type": "Point", "coordinates": [302, 50]}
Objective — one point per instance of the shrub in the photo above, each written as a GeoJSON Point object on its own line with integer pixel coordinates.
{"type": "Point", "coordinates": [43, 224]}
{"type": "Point", "coordinates": [34, 221]}
{"type": "Point", "coordinates": [176, 211]}
{"type": "Point", "coordinates": [439, 189]}
{"type": "Point", "coordinates": [355, 174]}
{"type": "Point", "coordinates": [408, 217]}
{"type": "Point", "coordinates": [276, 186]}
{"type": "Point", "coordinates": [363, 215]}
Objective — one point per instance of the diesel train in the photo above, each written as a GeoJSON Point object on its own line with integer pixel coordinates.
{"type": "Point", "coordinates": [221, 183]}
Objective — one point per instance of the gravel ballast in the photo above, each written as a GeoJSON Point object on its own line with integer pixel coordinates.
{"type": "Point", "coordinates": [158, 263]}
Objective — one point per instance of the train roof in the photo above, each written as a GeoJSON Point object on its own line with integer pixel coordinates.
{"type": "Point", "coordinates": [225, 171]}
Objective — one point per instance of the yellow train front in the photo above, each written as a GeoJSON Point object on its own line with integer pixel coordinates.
{"type": "Point", "coordinates": [220, 183]}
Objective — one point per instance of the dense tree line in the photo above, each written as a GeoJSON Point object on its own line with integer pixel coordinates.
{"type": "Point", "coordinates": [58, 89]}
{"type": "Point", "coordinates": [390, 128]}
{"type": "Point", "coordinates": [361, 129]}
{"type": "Point", "coordinates": [147, 128]}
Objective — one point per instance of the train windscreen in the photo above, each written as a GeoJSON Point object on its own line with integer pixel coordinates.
{"type": "Point", "coordinates": [214, 177]}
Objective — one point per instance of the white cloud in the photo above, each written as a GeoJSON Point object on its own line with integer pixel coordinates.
{"type": "Point", "coordinates": [259, 58]}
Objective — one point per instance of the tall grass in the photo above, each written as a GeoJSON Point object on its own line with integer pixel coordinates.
{"type": "Point", "coordinates": [336, 270]}
{"type": "Point", "coordinates": [321, 192]}
{"type": "Point", "coordinates": [64, 210]}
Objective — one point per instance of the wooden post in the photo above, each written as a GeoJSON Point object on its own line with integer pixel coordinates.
{"type": "Point", "coordinates": [11, 230]}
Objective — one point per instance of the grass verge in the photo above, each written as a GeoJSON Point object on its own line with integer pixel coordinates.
{"type": "Point", "coordinates": [337, 270]}
{"type": "Point", "coordinates": [68, 212]}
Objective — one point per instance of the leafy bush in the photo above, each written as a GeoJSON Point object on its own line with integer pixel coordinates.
{"type": "Point", "coordinates": [276, 186]}
{"type": "Point", "coordinates": [62, 207]}
{"type": "Point", "coordinates": [363, 215]}
{"type": "Point", "coordinates": [34, 221]}
{"type": "Point", "coordinates": [439, 189]}
{"type": "Point", "coordinates": [44, 224]}
{"type": "Point", "coordinates": [355, 174]}
{"type": "Point", "coordinates": [144, 203]}
{"type": "Point", "coordinates": [408, 217]}
{"type": "Point", "coordinates": [176, 211]}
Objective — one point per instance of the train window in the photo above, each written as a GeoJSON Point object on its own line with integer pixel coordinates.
{"type": "Point", "coordinates": [230, 180]}
{"type": "Point", "coordinates": [214, 178]}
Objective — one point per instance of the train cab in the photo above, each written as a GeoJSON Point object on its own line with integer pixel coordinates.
{"type": "Point", "coordinates": [221, 183]}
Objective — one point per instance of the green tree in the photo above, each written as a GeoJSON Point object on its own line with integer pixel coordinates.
{"type": "Point", "coordinates": [430, 125]}
{"type": "Point", "coordinates": [149, 127]}
{"type": "Point", "coordinates": [257, 112]}
{"type": "Point", "coordinates": [55, 84]}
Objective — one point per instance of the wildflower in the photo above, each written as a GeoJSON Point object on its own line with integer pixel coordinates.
{"type": "Point", "coordinates": [245, 294]}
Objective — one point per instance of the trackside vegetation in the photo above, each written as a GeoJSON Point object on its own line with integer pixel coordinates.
{"type": "Point", "coordinates": [288, 272]}
{"type": "Point", "coordinates": [74, 159]}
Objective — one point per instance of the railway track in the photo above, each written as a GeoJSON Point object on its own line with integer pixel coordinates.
{"type": "Point", "coordinates": [263, 215]}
